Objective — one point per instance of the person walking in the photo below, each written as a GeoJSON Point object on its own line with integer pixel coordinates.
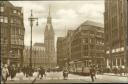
{"type": "Point", "coordinates": [27, 71]}
{"type": "Point", "coordinates": [65, 73]}
{"type": "Point", "coordinates": [92, 73]}
{"type": "Point", "coordinates": [35, 74]}
{"type": "Point", "coordinates": [13, 71]}
{"type": "Point", "coordinates": [24, 71]}
{"type": "Point", "coordinates": [42, 72]}
{"type": "Point", "coordinates": [5, 73]}
{"type": "Point", "coordinates": [95, 72]}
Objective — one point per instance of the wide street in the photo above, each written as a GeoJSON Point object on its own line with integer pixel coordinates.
{"type": "Point", "coordinates": [57, 77]}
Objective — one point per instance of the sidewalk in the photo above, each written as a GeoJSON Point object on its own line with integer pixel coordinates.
{"type": "Point", "coordinates": [112, 74]}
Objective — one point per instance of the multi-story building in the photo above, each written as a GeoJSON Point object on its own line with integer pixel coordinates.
{"type": "Point", "coordinates": [116, 32]}
{"type": "Point", "coordinates": [68, 43]}
{"type": "Point", "coordinates": [38, 55]}
{"type": "Point", "coordinates": [60, 51]}
{"type": "Point", "coordinates": [12, 33]}
{"type": "Point", "coordinates": [64, 49]}
{"type": "Point", "coordinates": [87, 44]}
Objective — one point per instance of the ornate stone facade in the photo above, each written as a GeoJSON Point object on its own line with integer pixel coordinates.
{"type": "Point", "coordinates": [12, 33]}
{"type": "Point", "coordinates": [38, 55]}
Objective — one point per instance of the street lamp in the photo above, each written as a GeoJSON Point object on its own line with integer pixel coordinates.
{"type": "Point", "coordinates": [31, 19]}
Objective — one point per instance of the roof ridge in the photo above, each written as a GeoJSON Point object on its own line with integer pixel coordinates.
{"type": "Point", "coordinates": [93, 23]}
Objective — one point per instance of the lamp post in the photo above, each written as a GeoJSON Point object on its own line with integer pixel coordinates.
{"type": "Point", "coordinates": [31, 19]}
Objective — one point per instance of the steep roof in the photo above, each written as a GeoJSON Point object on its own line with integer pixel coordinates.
{"type": "Point", "coordinates": [92, 23]}
{"type": "Point", "coordinates": [7, 3]}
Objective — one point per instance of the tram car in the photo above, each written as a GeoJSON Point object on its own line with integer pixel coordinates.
{"type": "Point", "coordinates": [80, 68]}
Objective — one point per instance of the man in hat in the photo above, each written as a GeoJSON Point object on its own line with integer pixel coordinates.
{"type": "Point", "coordinates": [5, 73]}
{"type": "Point", "coordinates": [92, 73]}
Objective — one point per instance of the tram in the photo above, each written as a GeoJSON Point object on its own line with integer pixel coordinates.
{"type": "Point", "coordinates": [79, 67]}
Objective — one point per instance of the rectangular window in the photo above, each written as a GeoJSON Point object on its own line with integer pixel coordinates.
{"type": "Point", "coordinates": [114, 62]}
{"type": "Point", "coordinates": [6, 19]}
{"type": "Point", "coordinates": [1, 19]}
{"type": "Point", "coordinates": [12, 31]}
{"type": "Point", "coordinates": [122, 61]}
{"type": "Point", "coordinates": [19, 32]}
{"type": "Point", "coordinates": [122, 49]}
{"type": "Point", "coordinates": [107, 52]}
{"type": "Point", "coordinates": [14, 11]}
{"type": "Point", "coordinates": [113, 50]}
{"type": "Point", "coordinates": [91, 46]}
{"type": "Point", "coordinates": [12, 20]}
{"type": "Point", "coordinates": [18, 13]}
{"type": "Point", "coordinates": [86, 47]}
{"type": "Point", "coordinates": [118, 62]}
{"type": "Point", "coordinates": [15, 20]}
{"type": "Point", "coordinates": [1, 9]}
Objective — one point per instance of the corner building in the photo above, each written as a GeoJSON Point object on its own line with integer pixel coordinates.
{"type": "Point", "coordinates": [87, 44]}
{"type": "Point", "coordinates": [12, 33]}
{"type": "Point", "coordinates": [116, 32]}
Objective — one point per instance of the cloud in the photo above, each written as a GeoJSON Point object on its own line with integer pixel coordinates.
{"type": "Point", "coordinates": [65, 15]}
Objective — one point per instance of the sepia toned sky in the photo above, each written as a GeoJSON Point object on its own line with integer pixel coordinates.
{"type": "Point", "coordinates": [65, 15]}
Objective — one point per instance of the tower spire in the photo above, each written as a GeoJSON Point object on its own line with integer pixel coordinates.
{"type": "Point", "coordinates": [49, 10]}
{"type": "Point", "coordinates": [49, 15]}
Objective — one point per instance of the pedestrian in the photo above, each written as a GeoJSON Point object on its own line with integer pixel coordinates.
{"type": "Point", "coordinates": [5, 73]}
{"type": "Point", "coordinates": [65, 73]}
{"type": "Point", "coordinates": [13, 71]}
{"type": "Point", "coordinates": [92, 73]}
{"type": "Point", "coordinates": [36, 73]}
{"type": "Point", "coordinates": [27, 71]}
{"type": "Point", "coordinates": [39, 71]}
{"type": "Point", "coordinates": [42, 72]}
{"type": "Point", "coordinates": [95, 73]}
{"type": "Point", "coordinates": [116, 70]}
{"type": "Point", "coordinates": [120, 70]}
{"type": "Point", "coordinates": [30, 70]}
{"type": "Point", "coordinates": [24, 70]}
{"type": "Point", "coordinates": [125, 71]}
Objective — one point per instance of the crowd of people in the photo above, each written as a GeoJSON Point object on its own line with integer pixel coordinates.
{"type": "Point", "coordinates": [12, 71]}
{"type": "Point", "coordinates": [116, 70]}
{"type": "Point", "coordinates": [121, 71]}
